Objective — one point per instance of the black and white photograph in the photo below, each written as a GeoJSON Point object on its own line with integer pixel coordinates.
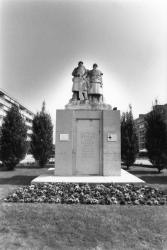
{"type": "Point", "coordinates": [83, 124]}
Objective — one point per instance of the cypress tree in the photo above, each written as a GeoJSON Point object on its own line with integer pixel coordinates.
{"type": "Point", "coordinates": [13, 144]}
{"type": "Point", "coordinates": [42, 137]}
{"type": "Point", "coordinates": [156, 138]}
{"type": "Point", "coordinates": [129, 142]}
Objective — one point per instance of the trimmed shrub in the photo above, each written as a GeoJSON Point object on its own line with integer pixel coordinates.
{"type": "Point", "coordinates": [129, 143]}
{"type": "Point", "coordinates": [13, 145]}
{"type": "Point", "coordinates": [42, 137]}
{"type": "Point", "coordinates": [156, 138]}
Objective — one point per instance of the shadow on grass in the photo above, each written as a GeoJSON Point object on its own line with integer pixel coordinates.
{"type": "Point", "coordinates": [17, 180]}
{"type": "Point", "coordinates": [154, 179]}
{"type": "Point", "coordinates": [141, 172]}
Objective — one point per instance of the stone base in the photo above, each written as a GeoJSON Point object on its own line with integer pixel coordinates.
{"type": "Point", "coordinates": [88, 142]}
{"type": "Point", "coordinates": [85, 105]}
{"type": "Point", "coordinates": [125, 177]}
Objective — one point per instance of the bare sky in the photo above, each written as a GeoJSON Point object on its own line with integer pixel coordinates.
{"type": "Point", "coordinates": [42, 41]}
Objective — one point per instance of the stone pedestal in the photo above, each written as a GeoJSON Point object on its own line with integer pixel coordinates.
{"type": "Point", "coordinates": [87, 143]}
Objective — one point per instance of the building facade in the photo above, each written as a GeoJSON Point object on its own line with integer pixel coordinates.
{"type": "Point", "coordinates": [141, 125]}
{"type": "Point", "coordinates": [6, 103]}
{"type": "Point", "coordinates": [140, 128]}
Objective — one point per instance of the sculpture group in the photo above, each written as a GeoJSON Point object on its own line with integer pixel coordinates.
{"type": "Point", "coordinates": [87, 84]}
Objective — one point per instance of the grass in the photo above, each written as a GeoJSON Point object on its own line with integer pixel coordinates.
{"type": "Point", "coordinates": [10, 180]}
{"type": "Point", "coordinates": [50, 226]}
{"type": "Point", "coordinates": [36, 226]}
{"type": "Point", "coordinates": [151, 176]}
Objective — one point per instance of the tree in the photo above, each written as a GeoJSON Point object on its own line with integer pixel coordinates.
{"type": "Point", "coordinates": [42, 137]}
{"type": "Point", "coordinates": [13, 145]}
{"type": "Point", "coordinates": [156, 137]}
{"type": "Point", "coordinates": [129, 142]}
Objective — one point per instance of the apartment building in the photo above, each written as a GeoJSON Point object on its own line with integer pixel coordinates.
{"type": "Point", "coordinates": [141, 126]}
{"type": "Point", "coordinates": [6, 103]}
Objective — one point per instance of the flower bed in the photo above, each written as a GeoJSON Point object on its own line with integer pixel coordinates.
{"type": "Point", "coordinates": [105, 194]}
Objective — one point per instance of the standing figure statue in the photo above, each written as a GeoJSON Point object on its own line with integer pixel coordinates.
{"type": "Point", "coordinates": [80, 84]}
{"type": "Point", "coordinates": [95, 90]}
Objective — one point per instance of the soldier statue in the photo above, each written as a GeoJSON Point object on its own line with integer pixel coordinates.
{"type": "Point", "coordinates": [80, 84]}
{"type": "Point", "coordinates": [95, 90]}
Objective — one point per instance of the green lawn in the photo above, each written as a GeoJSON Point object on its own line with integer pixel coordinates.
{"type": "Point", "coordinates": [10, 180]}
{"type": "Point", "coordinates": [35, 226]}
{"type": "Point", "coordinates": [151, 176]}
{"type": "Point", "coordinates": [50, 226]}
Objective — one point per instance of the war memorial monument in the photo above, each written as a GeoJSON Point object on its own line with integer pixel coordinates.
{"type": "Point", "coordinates": [88, 140]}
{"type": "Point", "coordinates": [87, 130]}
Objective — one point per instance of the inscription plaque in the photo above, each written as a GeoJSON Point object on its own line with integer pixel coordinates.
{"type": "Point", "coordinates": [87, 147]}
{"type": "Point", "coordinates": [111, 137]}
{"type": "Point", "coordinates": [88, 141]}
{"type": "Point", "coordinates": [64, 137]}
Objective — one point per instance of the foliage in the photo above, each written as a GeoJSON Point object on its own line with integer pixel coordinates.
{"type": "Point", "coordinates": [42, 137]}
{"type": "Point", "coordinates": [129, 142]}
{"type": "Point", "coordinates": [104, 194]}
{"type": "Point", "coordinates": [13, 138]}
{"type": "Point", "coordinates": [156, 137]}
